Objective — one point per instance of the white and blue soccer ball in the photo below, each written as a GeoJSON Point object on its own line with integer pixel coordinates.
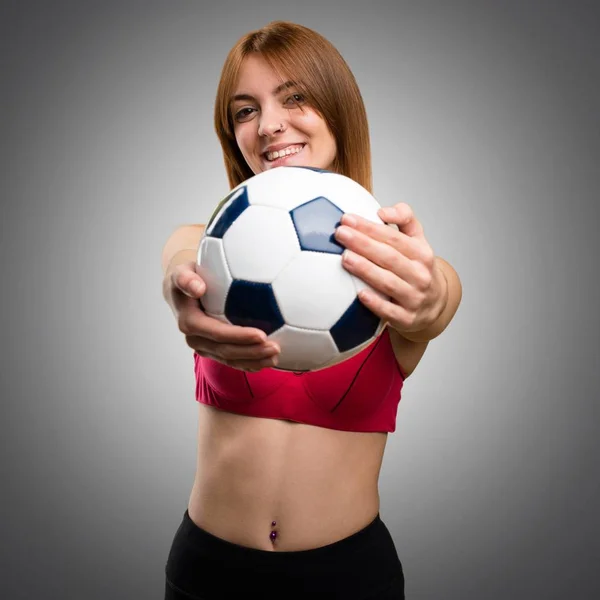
{"type": "Point", "coordinates": [270, 260]}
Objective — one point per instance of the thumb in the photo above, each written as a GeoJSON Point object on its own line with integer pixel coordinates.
{"type": "Point", "coordinates": [188, 281]}
{"type": "Point", "coordinates": [195, 288]}
{"type": "Point", "coordinates": [197, 284]}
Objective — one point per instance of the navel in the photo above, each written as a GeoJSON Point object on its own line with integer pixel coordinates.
{"type": "Point", "coordinates": [273, 534]}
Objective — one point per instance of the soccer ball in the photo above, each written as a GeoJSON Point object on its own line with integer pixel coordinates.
{"type": "Point", "coordinates": [270, 260]}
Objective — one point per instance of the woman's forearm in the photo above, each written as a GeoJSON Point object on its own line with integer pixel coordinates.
{"type": "Point", "coordinates": [182, 246]}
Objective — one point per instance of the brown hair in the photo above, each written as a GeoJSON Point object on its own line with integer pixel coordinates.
{"type": "Point", "coordinates": [324, 79]}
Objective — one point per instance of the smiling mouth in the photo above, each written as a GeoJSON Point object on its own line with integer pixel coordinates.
{"type": "Point", "coordinates": [279, 155]}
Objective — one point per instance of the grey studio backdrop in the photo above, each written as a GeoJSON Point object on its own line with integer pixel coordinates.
{"type": "Point", "coordinates": [484, 118]}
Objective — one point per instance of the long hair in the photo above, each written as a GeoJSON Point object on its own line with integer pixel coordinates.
{"type": "Point", "coordinates": [322, 76]}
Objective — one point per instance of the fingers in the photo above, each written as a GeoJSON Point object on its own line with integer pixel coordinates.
{"type": "Point", "coordinates": [248, 358]}
{"type": "Point", "coordinates": [357, 229]}
{"type": "Point", "coordinates": [191, 318]}
{"type": "Point", "coordinates": [402, 215]}
{"type": "Point", "coordinates": [236, 346]}
{"type": "Point", "coordinates": [194, 322]}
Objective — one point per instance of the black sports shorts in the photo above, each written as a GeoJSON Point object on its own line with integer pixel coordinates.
{"type": "Point", "coordinates": [363, 566]}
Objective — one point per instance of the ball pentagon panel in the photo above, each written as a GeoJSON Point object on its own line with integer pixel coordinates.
{"type": "Point", "coordinates": [227, 212]}
{"type": "Point", "coordinates": [356, 326]}
{"type": "Point", "coordinates": [315, 222]}
{"type": "Point", "coordinates": [252, 304]}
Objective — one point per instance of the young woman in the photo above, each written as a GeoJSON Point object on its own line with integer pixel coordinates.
{"type": "Point", "coordinates": [289, 505]}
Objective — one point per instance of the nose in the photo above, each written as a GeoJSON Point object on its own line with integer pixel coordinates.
{"type": "Point", "coordinates": [271, 121]}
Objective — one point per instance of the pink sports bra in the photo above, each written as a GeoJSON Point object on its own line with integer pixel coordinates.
{"type": "Point", "coordinates": [359, 394]}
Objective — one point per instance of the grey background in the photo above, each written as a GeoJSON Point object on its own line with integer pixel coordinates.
{"type": "Point", "coordinates": [484, 117]}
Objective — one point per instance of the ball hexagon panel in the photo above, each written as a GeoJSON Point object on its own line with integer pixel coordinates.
{"type": "Point", "coordinates": [303, 350]}
{"type": "Point", "coordinates": [251, 304]}
{"type": "Point", "coordinates": [349, 196]}
{"type": "Point", "coordinates": [260, 243]}
{"type": "Point", "coordinates": [211, 265]}
{"type": "Point", "coordinates": [360, 284]}
{"type": "Point", "coordinates": [315, 222]}
{"type": "Point", "coordinates": [316, 169]}
{"type": "Point", "coordinates": [313, 290]}
{"type": "Point", "coordinates": [284, 187]}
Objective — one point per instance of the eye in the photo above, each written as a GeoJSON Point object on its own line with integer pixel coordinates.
{"type": "Point", "coordinates": [295, 99]}
{"type": "Point", "coordinates": [243, 114]}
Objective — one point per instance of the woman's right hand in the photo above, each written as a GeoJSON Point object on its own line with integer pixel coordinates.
{"type": "Point", "coordinates": [239, 347]}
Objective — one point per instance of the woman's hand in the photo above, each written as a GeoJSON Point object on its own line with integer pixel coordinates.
{"type": "Point", "coordinates": [243, 348]}
{"type": "Point", "coordinates": [399, 263]}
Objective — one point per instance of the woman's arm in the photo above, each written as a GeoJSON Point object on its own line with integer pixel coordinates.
{"type": "Point", "coordinates": [182, 246]}
{"type": "Point", "coordinates": [453, 296]}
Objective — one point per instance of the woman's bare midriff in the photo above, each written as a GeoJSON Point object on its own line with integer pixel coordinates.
{"type": "Point", "coordinates": [317, 485]}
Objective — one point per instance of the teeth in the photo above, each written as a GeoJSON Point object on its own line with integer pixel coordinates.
{"type": "Point", "coordinates": [285, 152]}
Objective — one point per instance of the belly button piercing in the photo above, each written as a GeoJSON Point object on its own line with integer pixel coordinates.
{"type": "Point", "coordinates": [273, 534]}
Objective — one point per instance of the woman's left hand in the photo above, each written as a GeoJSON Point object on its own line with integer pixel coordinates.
{"type": "Point", "coordinates": [399, 263]}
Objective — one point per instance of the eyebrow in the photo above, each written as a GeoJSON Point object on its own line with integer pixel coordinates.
{"type": "Point", "coordinates": [279, 88]}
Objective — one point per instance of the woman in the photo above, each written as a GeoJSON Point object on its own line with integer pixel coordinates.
{"type": "Point", "coordinates": [290, 506]}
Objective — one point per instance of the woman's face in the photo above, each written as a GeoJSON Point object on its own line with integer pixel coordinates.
{"type": "Point", "coordinates": [273, 125]}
